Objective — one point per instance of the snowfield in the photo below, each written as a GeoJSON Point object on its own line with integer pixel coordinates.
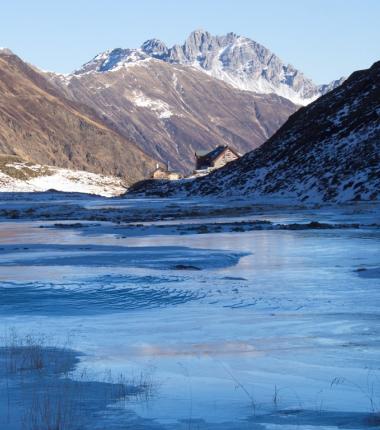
{"type": "Point", "coordinates": [243, 315]}
{"type": "Point", "coordinates": [65, 180]}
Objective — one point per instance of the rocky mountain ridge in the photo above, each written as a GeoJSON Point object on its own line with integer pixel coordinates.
{"type": "Point", "coordinates": [237, 60]}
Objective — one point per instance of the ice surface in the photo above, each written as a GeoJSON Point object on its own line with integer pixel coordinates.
{"type": "Point", "coordinates": [154, 257]}
{"type": "Point", "coordinates": [279, 330]}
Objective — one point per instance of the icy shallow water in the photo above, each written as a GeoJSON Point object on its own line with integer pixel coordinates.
{"type": "Point", "coordinates": [235, 328]}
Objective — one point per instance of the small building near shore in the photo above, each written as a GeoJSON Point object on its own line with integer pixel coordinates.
{"type": "Point", "coordinates": [162, 173]}
{"type": "Point", "coordinates": [216, 158]}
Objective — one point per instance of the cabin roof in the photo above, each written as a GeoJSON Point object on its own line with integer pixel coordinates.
{"type": "Point", "coordinates": [213, 154]}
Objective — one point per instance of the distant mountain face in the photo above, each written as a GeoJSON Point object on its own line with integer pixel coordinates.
{"type": "Point", "coordinates": [40, 125]}
{"type": "Point", "coordinates": [210, 91]}
{"type": "Point", "coordinates": [327, 151]}
{"type": "Point", "coordinates": [170, 110]}
{"type": "Point", "coordinates": [239, 61]}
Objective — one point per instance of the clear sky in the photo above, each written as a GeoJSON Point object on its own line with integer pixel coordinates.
{"type": "Point", "coordinates": [323, 38]}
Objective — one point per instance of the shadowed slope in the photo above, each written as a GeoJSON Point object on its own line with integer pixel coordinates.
{"type": "Point", "coordinates": [39, 125]}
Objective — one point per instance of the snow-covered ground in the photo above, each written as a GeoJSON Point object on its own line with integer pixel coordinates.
{"type": "Point", "coordinates": [272, 328]}
{"type": "Point", "coordinates": [54, 178]}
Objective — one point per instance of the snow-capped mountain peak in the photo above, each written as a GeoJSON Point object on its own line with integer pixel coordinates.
{"type": "Point", "coordinates": [155, 48]}
{"type": "Point", "coordinates": [113, 59]}
{"type": "Point", "coordinates": [244, 64]}
{"type": "Point", "coordinates": [237, 60]}
{"type": "Point", "coordinates": [241, 62]}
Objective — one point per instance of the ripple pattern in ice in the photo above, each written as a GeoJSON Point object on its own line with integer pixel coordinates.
{"type": "Point", "coordinates": [77, 298]}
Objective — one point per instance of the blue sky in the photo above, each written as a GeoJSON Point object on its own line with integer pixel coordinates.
{"type": "Point", "coordinates": [323, 38]}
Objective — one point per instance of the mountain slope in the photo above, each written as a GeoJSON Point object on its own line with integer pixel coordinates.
{"type": "Point", "coordinates": [239, 61]}
{"type": "Point", "coordinates": [38, 124]}
{"type": "Point", "coordinates": [328, 151]}
{"type": "Point", "coordinates": [171, 111]}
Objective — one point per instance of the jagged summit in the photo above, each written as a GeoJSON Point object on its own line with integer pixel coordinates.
{"type": "Point", "coordinates": [156, 48]}
{"type": "Point", "coordinates": [237, 60]}
{"type": "Point", "coordinates": [247, 65]}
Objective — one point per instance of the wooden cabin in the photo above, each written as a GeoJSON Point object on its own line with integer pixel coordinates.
{"type": "Point", "coordinates": [216, 158]}
{"type": "Point", "coordinates": [162, 173]}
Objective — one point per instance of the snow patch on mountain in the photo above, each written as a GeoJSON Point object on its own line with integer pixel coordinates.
{"type": "Point", "coordinates": [161, 108]}
{"type": "Point", "coordinates": [260, 85]}
{"type": "Point", "coordinates": [115, 59]}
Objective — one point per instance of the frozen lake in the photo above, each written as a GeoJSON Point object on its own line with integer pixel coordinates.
{"type": "Point", "coordinates": [267, 328]}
